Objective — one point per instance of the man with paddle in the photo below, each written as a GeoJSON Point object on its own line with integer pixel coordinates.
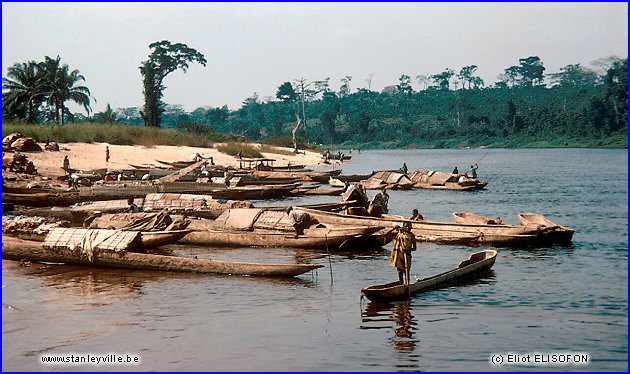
{"type": "Point", "coordinates": [401, 255]}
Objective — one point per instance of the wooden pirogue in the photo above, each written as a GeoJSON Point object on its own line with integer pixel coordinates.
{"type": "Point", "coordinates": [476, 265]}
{"type": "Point", "coordinates": [318, 238]}
{"type": "Point", "coordinates": [560, 234]}
{"type": "Point", "coordinates": [18, 249]}
{"type": "Point", "coordinates": [258, 227]}
{"type": "Point", "coordinates": [449, 233]}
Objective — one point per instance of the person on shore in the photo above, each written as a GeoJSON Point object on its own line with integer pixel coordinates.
{"type": "Point", "coordinates": [415, 216]}
{"type": "Point", "coordinates": [404, 244]}
{"type": "Point", "coordinates": [404, 169]}
{"type": "Point", "coordinates": [106, 153]}
{"type": "Point", "coordinates": [66, 164]}
{"type": "Point", "coordinates": [455, 171]}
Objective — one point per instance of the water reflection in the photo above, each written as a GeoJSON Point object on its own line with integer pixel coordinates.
{"type": "Point", "coordinates": [404, 326]}
{"type": "Point", "coordinates": [115, 284]}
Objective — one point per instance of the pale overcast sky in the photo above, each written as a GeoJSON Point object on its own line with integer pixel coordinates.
{"type": "Point", "coordinates": [255, 47]}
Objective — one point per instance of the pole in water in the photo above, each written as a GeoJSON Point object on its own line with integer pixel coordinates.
{"type": "Point", "coordinates": [329, 261]}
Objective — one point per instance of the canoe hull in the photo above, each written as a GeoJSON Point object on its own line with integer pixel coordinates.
{"type": "Point", "coordinates": [16, 249]}
{"type": "Point", "coordinates": [318, 240]}
{"type": "Point", "coordinates": [476, 265]}
{"type": "Point", "coordinates": [154, 239]}
{"type": "Point", "coordinates": [442, 232]}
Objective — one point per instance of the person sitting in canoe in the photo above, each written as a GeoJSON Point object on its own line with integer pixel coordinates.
{"type": "Point", "coordinates": [132, 208]}
{"type": "Point", "coordinates": [401, 255]}
{"type": "Point", "coordinates": [299, 219]}
{"type": "Point", "coordinates": [415, 216]}
{"type": "Point", "coordinates": [472, 171]}
{"type": "Point", "coordinates": [378, 204]}
{"type": "Point", "coordinates": [455, 171]}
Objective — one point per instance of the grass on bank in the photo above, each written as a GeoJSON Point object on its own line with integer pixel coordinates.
{"type": "Point", "coordinates": [115, 133]}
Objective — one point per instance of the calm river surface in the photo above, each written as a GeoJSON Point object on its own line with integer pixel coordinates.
{"type": "Point", "coordinates": [546, 300]}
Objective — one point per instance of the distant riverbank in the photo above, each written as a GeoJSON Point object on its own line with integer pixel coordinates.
{"type": "Point", "coordinates": [616, 141]}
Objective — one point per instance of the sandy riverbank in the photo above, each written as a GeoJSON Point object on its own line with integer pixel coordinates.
{"type": "Point", "coordinates": [88, 156]}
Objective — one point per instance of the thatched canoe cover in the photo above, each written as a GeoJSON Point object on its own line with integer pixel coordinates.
{"type": "Point", "coordinates": [89, 240]}
{"type": "Point", "coordinates": [180, 202]}
{"type": "Point", "coordinates": [237, 219]}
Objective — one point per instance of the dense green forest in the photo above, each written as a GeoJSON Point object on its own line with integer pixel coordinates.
{"type": "Point", "coordinates": [576, 106]}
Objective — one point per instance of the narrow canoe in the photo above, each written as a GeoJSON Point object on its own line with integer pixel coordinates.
{"type": "Point", "coordinates": [475, 219]}
{"type": "Point", "coordinates": [448, 186]}
{"type": "Point", "coordinates": [17, 249]}
{"type": "Point", "coordinates": [318, 238]}
{"type": "Point", "coordinates": [154, 239]}
{"type": "Point", "coordinates": [477, 264]}
{"type": "Point", "coordinates": [559, 234]}
{"type": "Point", "coordinates": [444, 232]}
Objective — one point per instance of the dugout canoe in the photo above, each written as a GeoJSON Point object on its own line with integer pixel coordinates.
{"type": "Point", "coordinates": [445, 232]}
{"type": "Point", "coordinates": [475, 219]}
{"type": "Point", "coordinates": [149, 239]}
{"type": "Point", "coordinates": [451, 186]}
{"type": "Point", "coordinates": [27, 250]}
{"type": "Point", "coordinates": [559, 234]}
{"type": "Point", "coordinates": [477, 264]}
{"type": "Point", "coordinates": [318, 238]}
{"type": "Point", "coordinates": [42, 199]}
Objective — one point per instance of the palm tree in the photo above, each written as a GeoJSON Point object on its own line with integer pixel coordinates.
{"type": "Point", "coordinates": [61, 86]}
{"type": "Point", "coordinates": [24, 87]}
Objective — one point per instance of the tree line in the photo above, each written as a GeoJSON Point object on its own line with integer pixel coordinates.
{"type": "Point", "coordinates": [449, 108]}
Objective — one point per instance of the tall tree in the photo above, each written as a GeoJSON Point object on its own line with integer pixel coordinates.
{"type": "Point", "coordinates": [163, 60]}
{"type": "Point", "coordinates": [574, 76]}
{"type": "Point", "coordinates": [617, 91]}
{"type": "Point", "coordinates": [423, 81]}
{"type": "Point", "coordinates": [405, 84]}
{"type": "Point", "coordinates": [287, 94]}
{"type": "Point", "coordinates": [62, 85]}
{"type": "Point", "coordinates": [532, 70]}
{"type": "Point", "coordinates": [465, 75]}
{"type": "Point", "coordinates": [23, 86]}
{"type": "Point", "coordinates": [344, 90]}
{"type": "Point", "coordinates": [443, 79]}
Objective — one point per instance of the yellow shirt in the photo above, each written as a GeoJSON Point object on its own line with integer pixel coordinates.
{"type": "Point", "coordinates": [403, 245]}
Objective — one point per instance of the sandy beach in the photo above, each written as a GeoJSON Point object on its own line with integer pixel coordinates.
{"type": "Point", "coordinates": [88, 156]}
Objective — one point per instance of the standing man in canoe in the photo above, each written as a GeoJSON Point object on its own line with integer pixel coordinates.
{"type": "Point", "coordinates": [401, 255]}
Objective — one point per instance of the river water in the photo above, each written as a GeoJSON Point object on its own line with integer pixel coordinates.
{"type": "Point", "coordinates": [570, 299]}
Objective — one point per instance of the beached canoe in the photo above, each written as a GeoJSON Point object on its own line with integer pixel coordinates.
{"type": "Point", "coordinates": [18, 250]}
{"type": "Point", "coordinates": [476, 265]}
{"type": "Point", "coordinates": [560, 234]}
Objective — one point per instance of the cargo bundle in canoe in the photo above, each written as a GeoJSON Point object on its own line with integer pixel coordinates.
{"type": "Point", "coordinates": [477, 264]}
{"type": "Point", "coordinates": [447, 233]}
{"type": "Point", "coordinates": [17, 249]}
{"type": "Point", "coordinates": [388, 179]}
{"type": "Point", "coordinates": [445, 181]}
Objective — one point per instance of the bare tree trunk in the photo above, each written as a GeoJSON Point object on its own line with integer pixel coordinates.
{"type": "Point", "coordinates": [299, 121]}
